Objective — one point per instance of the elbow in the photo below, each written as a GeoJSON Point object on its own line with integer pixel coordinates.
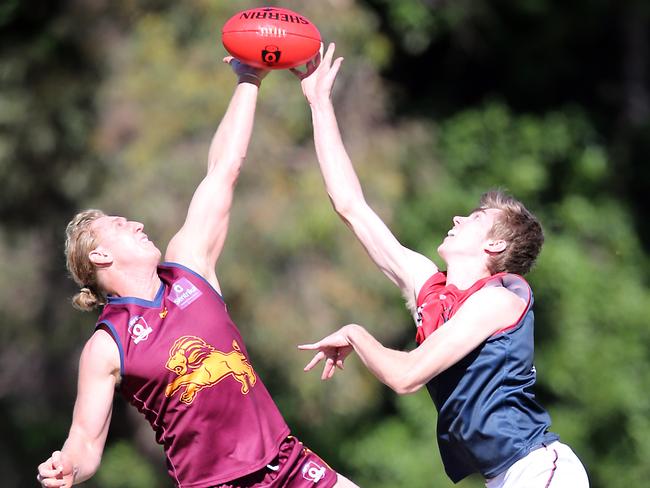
{"type": "Point", "coordinates": [348, 207]}
{"type": "Point", "coordinates": [235, 170]}
{"type": "Point", "coordinates": [406, 389]}
{"type": "Point", "coordinates": [405, 384]}
{"type": "Point", "coordinates": [227, 161]}
{"type": "Point", "coordinates": [227, 169]}
{"type": "Point", "coordinates": [341, 205]}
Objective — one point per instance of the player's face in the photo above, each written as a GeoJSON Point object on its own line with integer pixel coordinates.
{"type": "Point", "coordinates": [469, 235]}
{"type": "Point", "coordinates": [124, 239]}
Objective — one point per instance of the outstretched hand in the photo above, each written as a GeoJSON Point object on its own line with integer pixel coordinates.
{"type": "Point", "coordinates": [245, 72]}
{"type": "Point", "coordinates": [56, 471]}
{"type": "Point", "coordinates": [320, 73]}
{"type": "Point", "coordinates": [333, 349]}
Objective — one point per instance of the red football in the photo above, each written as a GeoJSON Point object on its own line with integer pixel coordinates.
{"type": "Point", "coordinates": [271, 38]}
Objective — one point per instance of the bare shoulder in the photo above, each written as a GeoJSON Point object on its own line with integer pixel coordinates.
{"type": "Point", "coordinates": [498, 296]}
{"type": "Point", "coordinates": [494, 307]}
{"type": "Point", "coordinates": [100, 353]}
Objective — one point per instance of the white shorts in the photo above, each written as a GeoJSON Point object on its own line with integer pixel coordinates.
{"type": "Point", "coordinates": [552, 466]}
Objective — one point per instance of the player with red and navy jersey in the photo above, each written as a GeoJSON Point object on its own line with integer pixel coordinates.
{"type": "Point", "coordinates": [475, 389]}
{"type": "Point", "coordinates": [167, 342]}
{"type": "Point", "coordinates": [475, 334]}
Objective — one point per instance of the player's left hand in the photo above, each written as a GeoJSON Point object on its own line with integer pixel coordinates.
{"type": "Point", "coordinates": [245, 72]}
{"type": "Point", "coordinates": [319, 76]}
{"type": "Point", "coordinates": [333, 349]}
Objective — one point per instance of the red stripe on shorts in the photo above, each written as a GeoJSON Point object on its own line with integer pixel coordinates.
{"type": "Point", "coordinates": [550, 478]}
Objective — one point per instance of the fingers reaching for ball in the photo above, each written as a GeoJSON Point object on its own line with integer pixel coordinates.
{"type": "Point", "coordinates": [319, 76]}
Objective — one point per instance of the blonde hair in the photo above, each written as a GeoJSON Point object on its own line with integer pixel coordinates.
{"type": "Point", "coordinates": [519, 228]}
{"type": "Point", "coordinates": [80, 240]}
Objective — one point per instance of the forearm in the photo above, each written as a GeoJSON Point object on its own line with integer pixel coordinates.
{"type": "Point", "coordinates": [340, 178]}
{"type": "Point", "coordinates": [391, 367]}
{"type": "Point", "coordinates": [199, 242]}
{"type": "Point", "coordinates": [231, 139]}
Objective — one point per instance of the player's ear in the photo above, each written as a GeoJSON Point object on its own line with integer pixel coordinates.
{"type": "Point", "coordinates": [100, 257]}
{"type": "Point", "coordinates": [495, 246]}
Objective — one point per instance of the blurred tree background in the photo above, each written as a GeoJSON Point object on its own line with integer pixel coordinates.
{"type": "Point", "coordinates": [112, 104]}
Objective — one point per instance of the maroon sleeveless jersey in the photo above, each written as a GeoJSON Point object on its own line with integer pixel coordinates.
{"type": "Point", "coordinates": [185, 367]}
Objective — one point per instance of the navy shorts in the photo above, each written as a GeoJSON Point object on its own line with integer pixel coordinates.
{"type": "Point", "coordinates": [295, 466]}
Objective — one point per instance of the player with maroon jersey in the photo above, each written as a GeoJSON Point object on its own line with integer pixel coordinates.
{"type": "Point", "coordinates": [166, 341]}
{"type": "Point", "coordinates": [475, 322]}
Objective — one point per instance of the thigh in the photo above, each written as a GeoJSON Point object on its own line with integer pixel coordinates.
{"type": "Point", "coordinates": [343, 482]}
{"type": "Point", "coordinates": [552, 466]}
{"type": "Point", "coordinates": [295, 466]}
{"type": "Point", "coordinates": [305, 469]}
{"type": "Point", "coordinates": [570, 472]}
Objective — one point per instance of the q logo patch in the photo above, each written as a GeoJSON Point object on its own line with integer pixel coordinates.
{"type": "Point", "coordinates": [138, 329]}
{"type": "Point", "coordinates": [313, 472]}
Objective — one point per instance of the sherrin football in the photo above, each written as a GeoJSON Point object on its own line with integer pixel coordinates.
{"type": "Point", "coordinates": [271, 38]}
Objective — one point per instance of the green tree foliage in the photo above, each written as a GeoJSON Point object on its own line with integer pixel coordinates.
{"type": "Point", "coordinates": [47, 80]}
{"type": "Point", "coordinates": [121, 458]}
{"type": "Point", "coordinates": [112, 105]}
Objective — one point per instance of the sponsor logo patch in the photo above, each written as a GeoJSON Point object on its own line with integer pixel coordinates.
{"type": "Point", "coordinates": [183, 293]}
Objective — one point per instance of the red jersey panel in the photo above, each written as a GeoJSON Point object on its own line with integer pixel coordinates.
{"type": "Point", "coordinates": [437, 302]}
{"type": "Point", "coordinates": [185, 367]}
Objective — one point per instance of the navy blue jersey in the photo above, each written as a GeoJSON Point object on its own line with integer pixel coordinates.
{"type": "Point", "coordinates": [488, 417]}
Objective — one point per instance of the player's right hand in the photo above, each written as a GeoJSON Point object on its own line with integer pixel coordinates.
{"type": "Point", "coordinates": [56, 471]}
{"type": "Point", "coordinates": [332, 349]}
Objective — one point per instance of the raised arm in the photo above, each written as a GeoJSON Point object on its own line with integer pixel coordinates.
{"type": "Point", "coordinates": [406, 268]}
{"type": "Point", "coordinates": [82, 451]}
{"type": "Point", "coordinates": [200, 241]}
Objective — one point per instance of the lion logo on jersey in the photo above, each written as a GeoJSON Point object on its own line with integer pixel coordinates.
{"type": "Point", "coordinates": [199, 365]}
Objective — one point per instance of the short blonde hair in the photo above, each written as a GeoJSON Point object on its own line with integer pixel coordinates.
{"type": "Point", "coordinates": [80, 240]}
{"type": "Point", "coordinates": [520, 229]}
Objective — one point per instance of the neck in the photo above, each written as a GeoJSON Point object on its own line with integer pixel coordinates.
{"type": "Point", "coordinates": [464, 273]}
{"type": "Point", "coordinates": [142, 283]}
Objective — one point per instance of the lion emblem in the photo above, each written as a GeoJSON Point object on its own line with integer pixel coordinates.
{"type": "Point", "coordinates": [199, 365]}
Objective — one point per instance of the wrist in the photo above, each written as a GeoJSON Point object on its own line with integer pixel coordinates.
{"type": "Point", "coordinates": [250, 78]}
{"type": "Point", "coordinates": [320, 105]}
{"type": "Point", "coordinates": [351, 332]}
